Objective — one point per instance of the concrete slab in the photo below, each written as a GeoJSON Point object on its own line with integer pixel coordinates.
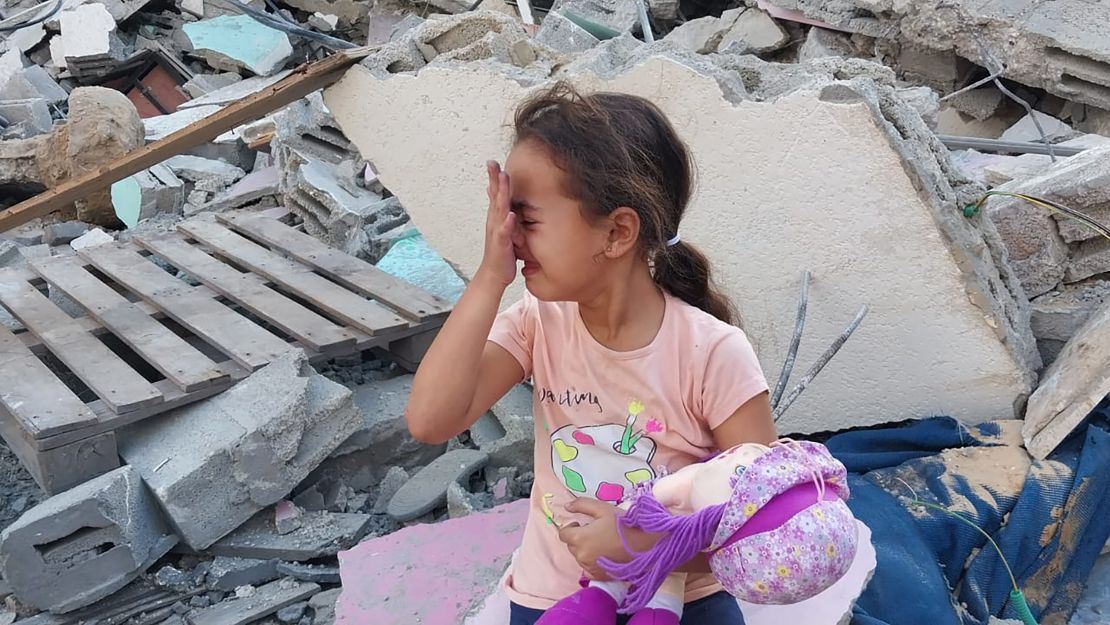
{"type": "Point", "coordinates": [247, 448]}
{"type": "Point", "coordinates": [263, 602]}
{"type": "Point", "coordinates": [321, 534]}
{"type": "Point", "coordinates": [432, 574]}
{"type": "Point", "coordinates": [318, 573]}
{"type": "Point", "coordinates": [1071, 387]}
{"type": "Point", "coordinates": [27, 118]}
{"type": "Point", "coordinates": [954, 304]}
{"type": "Point", "coordinates": [227, 574]}
{"type": "Point", "coordinates": [35, 82]}
{"type": "Point", "coordinates": [195, 169]}
{"type": "Point", "coordinates": [84, 544]}
{"type": "Point", "coordinates": [564, 35]}
{"type": "Point", "coordinates": [234, 43]}
{"type": "Point", "coordinates": [427, 490]}
{"type": "Point", "coordinates": [85, 32]}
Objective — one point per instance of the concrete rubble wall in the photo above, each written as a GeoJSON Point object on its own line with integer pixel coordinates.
{"type": "Point", "coordinates": [836, 176]}
{"type": "Point", "coordinates": [215, 464]}
{"type": "Point", "coordinates": [1061, 47]}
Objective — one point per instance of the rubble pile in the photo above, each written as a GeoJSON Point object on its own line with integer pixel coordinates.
{"type": "Point", "coordinates": [844, 138]}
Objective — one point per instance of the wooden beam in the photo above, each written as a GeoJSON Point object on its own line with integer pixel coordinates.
{"type": "Point", "coordinates": [303, 81]}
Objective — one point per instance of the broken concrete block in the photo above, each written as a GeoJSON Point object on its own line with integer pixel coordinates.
{"type": "Point", "coordinates": [233, 43]}
{"type": "Point", "coordinates": [264, 601]}
{"type": "Point", "coordinates": [666, 10]}
{"type": "Point", "coordinates": [147, 193]}
{"type": "Point", "coordinates": [1033, 236]}
{"type": "Point", "coordinates": [821, 42]}
{"type": "Point", "coordinates": [1026, 130]}
{"type": "Point", "coordinates": [323, 604]}
{"type": "Point", "coordinates": [965, 256]}
{"type": "Point", "coordinates": [247, 447]}
{"type": "Point", "coordinates": [34, 82]}
{"type": "Point", "coordinates": [393, 481]}
{"type": "Point", "coordinates": [252, 188]}
{"type": "Point", "coordinates": [26, 118]}
{"type": "Point", "coordinates": [92, 238]}
{"type": "Point", "coordinates": [230, 573]}
{"type": "Point", "coordinates": [287, 517]}
{"type": "Point", "coordinates": [1071, 387]}
{"type": "Point", "coordinates": [12, 62]}
{"type": "Point", "coordinates": [754, 32]}
{"type": "Point", "coordinates": [85, 543]}
{"type": "Point", "coordinates": [63, 232]}
{"type": "Point", "coordinates": [1007, 168]}
{"type": "Point", "coordinates": [26, 38]}
{"type": "Point", "coordinates": [85, 33]}
{"type": "Point", "coordinates": [195, 169]}
{"type": "Point", "coordinates": [383, 437]}
{"type": "Point", "coordinates": [321, 574]}
{"type": "Point", "coordinates": [622, 17]}
{"type": "Point", "coordinates": [203, 84]}
{"type": "Point", "coordinates": [563, 35]}
{"type": "Point", "coordinates": [321, 534]}
{"type": "Point", "coordinates": [427, 490]}
{"type": "Point", "coordinates": [461, 502]}
{"type": "Point", "coordinates": [982, 103]}
{"type": "Point", "coordinates": [705, 33]}
{"type": "Point", "coordinates": [923, 100]}
{"type": "Point", "coordinates": [939, 69]}
{"type": "Point", "coordinates": [1091, 259]}
{"type": "Point", "coordinates": [322, 22]}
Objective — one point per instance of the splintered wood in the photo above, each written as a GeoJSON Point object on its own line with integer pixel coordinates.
{"type": "Point", "coordinates": [151, 341]}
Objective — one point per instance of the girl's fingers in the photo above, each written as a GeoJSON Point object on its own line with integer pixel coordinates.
{"type": "Point", "coordinates": [504, 198]}
{"type": "Point", "coordinates": [492, 170]}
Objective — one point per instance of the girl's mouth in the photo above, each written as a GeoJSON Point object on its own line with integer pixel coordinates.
{"type": "Point", "coordinates": [530, 268]}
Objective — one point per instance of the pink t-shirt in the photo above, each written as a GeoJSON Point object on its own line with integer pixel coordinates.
{"type": "Point", "coordinates": [607, 420]}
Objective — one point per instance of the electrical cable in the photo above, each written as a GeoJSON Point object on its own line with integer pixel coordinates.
{"type": "Point", "coordinates": [38, 20]}
{"type": "Point", "coordinates": [972, 210]}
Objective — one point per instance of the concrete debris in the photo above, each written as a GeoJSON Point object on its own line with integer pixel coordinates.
{"type": "Point", "coordinates": [236, 90]}
{"type": "Point", "coordinates": [615, 15]}
{"type": "Point", "coordinates": [271, 430]}
{"type": "Point", "coordinates": [461, 502]}
{"type": "Point", "coordinates": [203, 84]}
{"type": "Point", "coordinates": [322, 22]}
{"type": "Point", "coordinates": [1003, 169]}
{"type": "Point", "coordinates": [1038, 253]}
{"type": "Point", "coordinates": [264, 601]}
{"type": "Point", "coordinates": [195, 169]}
{"type": "Point", "coordinates": [287, 517]}
{"type": "Point", "coordinates": [981, 104]}
{"type": "Point", "coordinates": [754, 32]}
{"type": "Point", "coordinates": [322, 534]}
{"type": "Point", "coordinates": [291, 615]}
{"type": "Point", "coordinates": [821, 42]}
{"type": "Point", "coordinates": [92, 238]}
{"type": "Point", "coordinates": [514, 415]}
{"type": "Point", "coordinates": [427, 490]}
{"type": "Point", "coordinates": [63, 232]}
{"type": "Point", "coordinates": [87, 35]}
{"type": "Point", "coordinates": [147, 193]}
{"type": "Point", "coordinates": [26, 118]}
{"type": "Point", "coordinates": [237, 43]}
{"type": "Point", "coordinates": [923, 100]}
{"type": "Point", "coordinates": [1026, 130]}
{"type": "Point", "coordinates": [252, 189]}
{"type": "Point", "coordinates": [34, 82]}
{"type": "Point", "coordinates": [393, 481]}
{"type": "Point", "coordinates": [323, 606]}
{"type": "Point", "coordinates": [227, 147]}
{"type": "Point", "coordinates": [1059, 314]}
{"type": "Point", "coordinates": [227, 574]}
{"type": "Point", "coordinates": [919, 174]}
{"type": "Point", "coordinates": [85, 543]}
{"type": "Point", "coordinates": [1071, 387]}
{"type": "Point", "coordinates": [318, 573]}
{"type": "Point", "coordinates": [703, 35]}
{"type": "Point", "coordinates": [559, 33]}
{"type": "Point", "coordinates": [414, 261]}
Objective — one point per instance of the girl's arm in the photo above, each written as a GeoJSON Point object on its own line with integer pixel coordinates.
{"type": "Point", "coordinates": [751, 423]}
{"type": "Point", "coordinates": [463, 374]}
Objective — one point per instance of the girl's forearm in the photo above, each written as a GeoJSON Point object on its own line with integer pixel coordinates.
{"type": "Point", "coordinates": [444, 384]}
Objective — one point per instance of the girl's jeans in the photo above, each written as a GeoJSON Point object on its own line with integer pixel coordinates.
{"type": "Point", "coordinates": [718, 609]}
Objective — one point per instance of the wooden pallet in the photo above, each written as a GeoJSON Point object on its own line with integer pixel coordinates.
{"type": "Point", "coordinates": [152, 342]}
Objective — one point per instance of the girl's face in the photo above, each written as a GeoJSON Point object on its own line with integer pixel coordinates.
{"type": "Point", "coordinates": [559, 246]}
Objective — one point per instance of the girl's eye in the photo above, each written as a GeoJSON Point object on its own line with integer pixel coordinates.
{"type": "Point", "coordinates": [527, 223]}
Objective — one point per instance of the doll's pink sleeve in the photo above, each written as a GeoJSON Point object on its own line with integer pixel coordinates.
{"type": "Point", "coordinates": [673, 491]}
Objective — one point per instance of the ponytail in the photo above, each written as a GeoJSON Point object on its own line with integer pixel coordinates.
{"type": "Point", "coordinates": [683, 272]}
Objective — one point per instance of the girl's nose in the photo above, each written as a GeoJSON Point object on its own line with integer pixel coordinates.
{"type": "Point", "coordinates": [517, 236]}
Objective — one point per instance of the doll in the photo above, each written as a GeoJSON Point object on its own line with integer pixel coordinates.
{"type": "Point", "coordinates": [773, 521]}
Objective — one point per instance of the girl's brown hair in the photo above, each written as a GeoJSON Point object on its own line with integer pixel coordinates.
{"type": "Point", "coordinates": [620, 150]}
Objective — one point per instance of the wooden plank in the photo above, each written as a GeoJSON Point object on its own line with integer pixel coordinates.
{"type": "Point", "coordinates": [108, 421]}
{"type": "Point", "coordinates": [180, 362]}
{"type": "Point", "coordinates": [303, 81]}
{"type": "Point", "coordinates": [113, 380]}
{"type": "Point", "coordinates": [245, 342]}
{"type": "Point", "coordinates": [251, 292]}
{"type": "Point", "coordinates": [352, 308]}
{"type": "Point", "coordinates": [412, 301]}
{"type": "Point", "coordinates": [33, 395]}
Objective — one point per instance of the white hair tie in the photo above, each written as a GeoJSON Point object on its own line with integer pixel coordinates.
{"type": "Point", "coordinates": [674, 240]}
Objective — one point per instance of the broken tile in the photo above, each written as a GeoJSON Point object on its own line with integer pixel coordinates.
{"type": "Point", "coordinates": [414, 261]}
{"type": "Point", "coordinates": [264, 601]}
{"type": "Point", "coordinates": [240, 42]}
{"type": "Point", "coordinates": [427, 490]}
{"type": "Point", "coordinates": [465, 571]}
{"type": "Point", "coordinates": [321, 534]}
{"type": "Point", "coordinates": [1071, 387]}
{"type": "Point", "coordinates": [248, 447]}
{"type": "Point", "coordinates": [85, 543]}
{"type": "Point", "coordinates": [85, 32]}
{"type": "Point", "coordinates": [146, 194]}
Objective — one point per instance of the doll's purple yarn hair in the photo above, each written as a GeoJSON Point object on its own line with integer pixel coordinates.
{"type": "Point", "coordinates": [683, 538]}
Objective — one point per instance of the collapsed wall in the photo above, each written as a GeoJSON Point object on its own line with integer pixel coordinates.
{"type": "Point", "coordinates": [818, 167]}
